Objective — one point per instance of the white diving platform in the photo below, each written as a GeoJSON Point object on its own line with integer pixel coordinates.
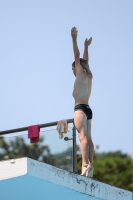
{"type": "Point", "coordinates": [26, 179]}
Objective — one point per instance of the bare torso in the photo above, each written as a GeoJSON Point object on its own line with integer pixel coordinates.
{"type": "Point", "coordinates": [82, 87]}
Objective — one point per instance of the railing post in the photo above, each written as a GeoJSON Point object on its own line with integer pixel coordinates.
{"type": "Point", "coordinates": [74, 150]}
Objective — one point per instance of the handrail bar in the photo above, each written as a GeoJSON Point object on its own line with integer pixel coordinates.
{"type": "Point", "coordinates": [26, 128]}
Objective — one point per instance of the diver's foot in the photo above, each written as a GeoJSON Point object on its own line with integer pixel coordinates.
{"type": "Point", "coordinates": [85, 169]}
{"type": "Point", "coordinates": [89, 173]}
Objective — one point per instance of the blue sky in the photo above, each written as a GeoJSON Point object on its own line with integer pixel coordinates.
{"type": "Point", "coordinates": [36, 80]}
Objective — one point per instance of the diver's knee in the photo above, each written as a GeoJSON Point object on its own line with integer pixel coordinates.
{"type": "Point", "coordinates": [83, 138]}
{"type": "Point", "coordinates": [91, 145]}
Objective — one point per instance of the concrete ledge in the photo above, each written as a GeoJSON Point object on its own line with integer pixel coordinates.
{"type": "Point", "coordinates": [77, 182]}
{"type": "Point", "coordinates": [22, 166]}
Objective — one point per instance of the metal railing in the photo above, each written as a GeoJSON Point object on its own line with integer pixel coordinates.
{"type": "Point", "coordinates": [11, 131]}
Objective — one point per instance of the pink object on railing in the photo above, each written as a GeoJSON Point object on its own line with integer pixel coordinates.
{"type": "Point", "coordinates": [33, 133]}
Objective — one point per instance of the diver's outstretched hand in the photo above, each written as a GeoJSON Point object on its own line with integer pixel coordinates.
{"type": "Point", "coordinates": [74, 33]}
{"type": "Point", "coordinates": [88, 42]}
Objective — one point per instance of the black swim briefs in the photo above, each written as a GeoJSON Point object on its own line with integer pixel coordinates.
{"type": "Point", "coordinates": [86, 109]}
